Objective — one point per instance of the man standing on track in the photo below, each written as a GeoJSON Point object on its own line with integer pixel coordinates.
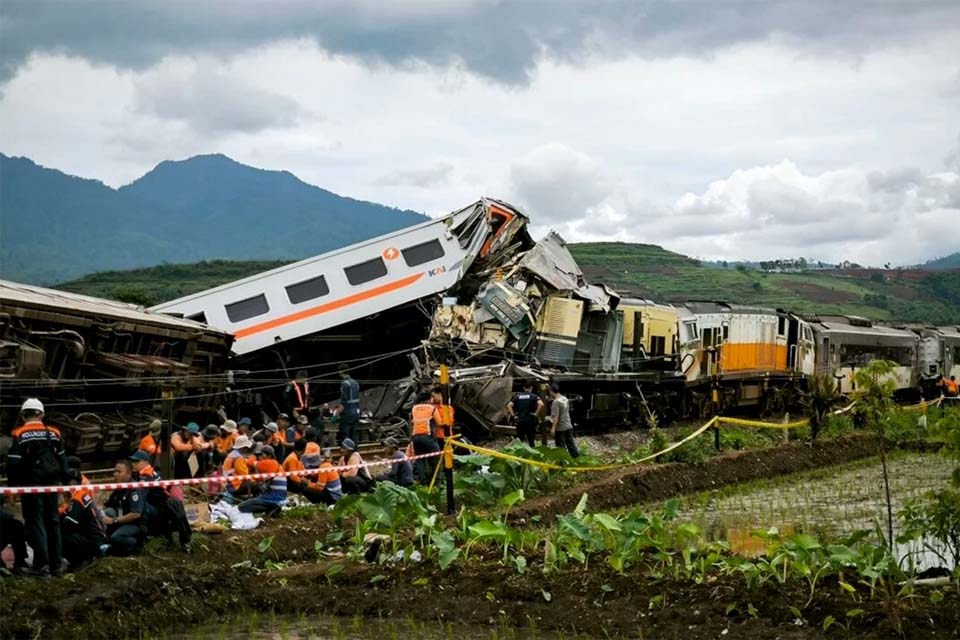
{"type": "Point", "coordinates": [526, 407]}
{"type": "Point", "coordinates": [37, 459]}
{"type": "Point", "coordinates": [560, 424]}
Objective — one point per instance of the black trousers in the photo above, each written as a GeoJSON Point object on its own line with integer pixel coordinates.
{"type": "Point", "coordinates": [348, 427]}
{"type": "Point", "coordinates": [565, 439]}
{"type": "Point", "coordinates": [12, 533]}
{"type": "Point", "coordinates": [79, 548]}
{"type": "Point", "coordinates": [423, 469]}
{"type": "Point", "coordinates": [181, 468]}
{"type": "Point", "coordinates": [42, 526]}
{"type": "Point", "coordinates": [527, 431]}
{"type": "Point", "coordinates": [126, 539]}
{"type": "Point", "coordinates": [321, 496]}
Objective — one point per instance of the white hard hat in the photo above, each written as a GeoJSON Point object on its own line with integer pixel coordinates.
{"type": "Point", "coordinates": [32, 404]}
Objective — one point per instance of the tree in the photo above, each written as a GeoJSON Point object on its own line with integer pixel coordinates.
{"type": "Point", "coordinates": [875, 386]}
{"type": "Point", "coordinates": [134, 295]}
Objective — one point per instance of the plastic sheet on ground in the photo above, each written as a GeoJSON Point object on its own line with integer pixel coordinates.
{"type": "Point", "coordinates": [238, 519]}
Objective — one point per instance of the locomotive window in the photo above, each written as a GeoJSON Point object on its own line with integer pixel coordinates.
{"type": "Point", "coordinates": [781, 325]}
{"type": "Point", "coordinates": [249, 308]}
{"type": "Point", "coordinates": [658, 345]}
{"type": "Point", "coordinates": [200, 316]}
{"type": "Point", "coordinates": [421, 253]}
{"type": "Point", "coordinates": [726, 332]}
{"type": "Point", "coordinates": [307, 290]}
{"type": "Point", "coordinates": [366, 271]}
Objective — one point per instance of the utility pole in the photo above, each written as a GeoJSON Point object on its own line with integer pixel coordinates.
{"type": "Point", "coordinates": [168, 430]}
{"type": "Point", "coordinates": [447, 457]}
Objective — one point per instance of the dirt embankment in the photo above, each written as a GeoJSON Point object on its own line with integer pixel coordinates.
{"type": "Point", "coordinates": [165, 592]}
{"type": "Point", "coordinates": [657, 482]}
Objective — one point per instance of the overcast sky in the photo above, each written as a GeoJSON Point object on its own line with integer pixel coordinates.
{"type": "Point", "coordinates": [717, 128]}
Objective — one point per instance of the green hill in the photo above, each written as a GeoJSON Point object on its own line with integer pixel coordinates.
{"type": "Point", "coordinates": [635, 269]}
{"type": "Point", "coordinates": [951, 261]}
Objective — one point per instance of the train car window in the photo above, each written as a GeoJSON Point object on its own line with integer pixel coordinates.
{"type": "Point", "coordinates": [726, 332]}
{"type": "Point", "coordinates": [249, 308]}
{"type": "Point", "coordinates": [658, 345]}
{"type": "Point", "coordinates": [421, 253]}
{"type": "Point", "coordinates": [366, 271]}
{"type": "Point", "coordinates": [307, 290]}
{"type": "Point", "coordinates": [198, 317]}
{"type": "Point", "coordinates": [781, 325]}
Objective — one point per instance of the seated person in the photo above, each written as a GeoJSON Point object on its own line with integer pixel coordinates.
{"type": "Point", "coordinates": [274, 490]}
{"type": "Point", "coordinates": [324, 486]}
{"type": "Point", "coordinates": [401, 471]}
{"type": "Point", "coordinates": [81, 530]}
{"type": "Point", "coordinates": [358, 479]}
{"type": "Point", "coordinates": [123, 514]}
{"type": "Point", "coordinates": [235, 467]}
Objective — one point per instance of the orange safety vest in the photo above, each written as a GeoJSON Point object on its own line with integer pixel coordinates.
{"type": "Point", "coordinates": [149, 444]}
{"type": "Point", "coordinates": [422, 416]}
{"type": "Point", "coordinates": [235, 466]}
{"type": "Point", "coordinates": [302, 396]}
{"type": "Point", "coordinates": [443, 420]}
{"type": "Point", "coordinates": [951, 387]}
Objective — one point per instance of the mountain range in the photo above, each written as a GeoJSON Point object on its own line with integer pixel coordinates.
{"type": "Point", "coordinates": [55, 227]}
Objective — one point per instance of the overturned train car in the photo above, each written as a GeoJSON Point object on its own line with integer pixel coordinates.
{"type": "Point", "coordinates": [102, 367]}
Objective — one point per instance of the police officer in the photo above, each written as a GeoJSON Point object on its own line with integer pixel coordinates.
{"type": "Point", "coordinates": [123, 515]}
{"type": "Point", "coordinates": [526, 407]}
{"type": "Point", "coordinates": [37, 458]}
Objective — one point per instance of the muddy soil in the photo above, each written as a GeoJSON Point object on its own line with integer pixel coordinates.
{"type": "Point", "coordinates": [226, 578]}
{"type": "Point", "coordinates": [650, 483]}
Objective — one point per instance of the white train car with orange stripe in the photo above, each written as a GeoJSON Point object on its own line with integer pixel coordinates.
{"type": "Point", "coordinates": [358, 281]}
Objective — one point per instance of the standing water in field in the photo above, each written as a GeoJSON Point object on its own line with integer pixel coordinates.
{"type": "Point", "coordinates": [828, 503]}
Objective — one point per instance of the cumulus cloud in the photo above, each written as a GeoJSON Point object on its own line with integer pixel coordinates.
{"type": "Point", "coordinates": [494, 39]}
{"type": "Point", "coordinates": [210, 101]}
{"type": "Point", "coordinates": [425, 177]}
{"type": "Point", "coordinates": [761, 212]}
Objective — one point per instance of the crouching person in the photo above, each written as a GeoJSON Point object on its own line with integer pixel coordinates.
{"type": "Point", "coordinates": [82, 531]}
{"type": "Point", "coordinates": [274, 490]}
{"type": "Point", "coordinates": [356, 479]}
{"type": "Point", "coordinates": [401, 470]}
{"type": "Point", "coordinates": [324, 486]}
{"type": "Point", "coordinates": [123, 514]}
{"type": "Point", "coordinates": [163, 513]}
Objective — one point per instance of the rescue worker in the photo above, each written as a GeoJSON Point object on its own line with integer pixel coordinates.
{"type": "Point", "coordinates": [184, 444]}
{"type": "Point", "coordinates": [401, 471]}
{"type": "Point", "coordinates": [357, 479]}
{"type": "Point", "coordinates": [422, 437]}
{"type": "Point", "coordinates": [561, 427]}
{"type": "Point", "coordinates": [525, 409]}
{"type": "Point", "coordinates": [442, 417]}
{"type": "Point", "coordinates": [950, 387]}
{"type": "Point", "coordinates": [37, 458]}
{"type": "Point", "coordinates": [324, 486]}
{"type": "Point", "coordinates": [296, 431]}
{"type": "Point", "coordinates": [123, 514]}
{"type": "Point", "coordinates": [235, 467]}
{"type": "Point", "coordinates": [347, 409]}
{"type": "Point", "coordinates": [297, 394]}
{"type": "Point", "coordinates": [274, 493]}
{"type": "Point", "coordinates": [294, 462]}
{"type": "Point", "coordinates": [275, 438]}
{"type": "Point", "coordinates": [82, 531]}
{"type": "Point", "coordinates": [151, 443]}
{"type": "Point", "coordinates": [243, 426]}
{"type": "Point", "coordinates": [228, 436]}
{"type": "Point", "coordinates": [208, 449]}
{"type": "Point", "coordinates": [12, 533]}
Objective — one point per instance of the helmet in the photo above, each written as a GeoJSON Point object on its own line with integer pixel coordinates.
{"type": "Point", "coordinates": [32, 404]}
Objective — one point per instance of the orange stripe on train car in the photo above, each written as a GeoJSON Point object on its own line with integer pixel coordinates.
{"type": "Point", "coordinates": [753, 356]}
{"type": "Point", "coordinates": [329, 306]}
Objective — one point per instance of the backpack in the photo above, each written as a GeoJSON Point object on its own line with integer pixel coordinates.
{"type": "Point", "coordinates": [46, 465]}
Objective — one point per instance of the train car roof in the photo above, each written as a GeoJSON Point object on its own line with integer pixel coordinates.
{"type": "Point", "coordinates": [704, 307]}
{"type": "Point", "coordinates": [26, 295]}
{"type": "Point", "coordinates": [857, 325]}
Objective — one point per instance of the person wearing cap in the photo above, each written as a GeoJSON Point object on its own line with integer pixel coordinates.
{"type": "Point", "coordinates": [37, 458]}
{"type": "Point", "coordinates": [228, 436]}
{"type": "Point", "coordinates": [357, 479]}
{"type": "Point", "coordinates": [150, 442]}
{"type": "Point", "coordinates": [348, 407]}
{"type": "Point", "coordinates": [243, 426]}
{"type": "Point", "coordinates": [82, 530]}
{"type": "Point", "coordinates": [235, 467]}
{"type": "Point", "coordinates": [123, 514]}
{"type": "Point", "coordinates": [184, 444]}
{"type": "Point", "coordinates": [297, 394]}
{"type": "Point", "coordinates": [323, 486]}
{"type": "Point", "coordinates": [275, 438]}
{"type": "Point", "coordinates": [401, 471]}
{"type": "Point", "coordinates": [283, 426]}
{"type": "Point", "coordinates": [273, 494]}
{"type": "Point", "coordinates": [296, 431]}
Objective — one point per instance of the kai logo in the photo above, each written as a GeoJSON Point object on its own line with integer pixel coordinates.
{"type": "Point", "coordinates": [391, 253]}
{"type": "Point", "coordinates": [437, 271]}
